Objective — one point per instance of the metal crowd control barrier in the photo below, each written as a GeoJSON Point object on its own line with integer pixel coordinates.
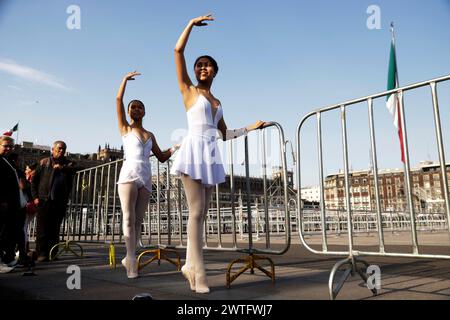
{"type": "Point", "coordinates": [94, 213]}
{"type": "Point", "coordinates": [352, 263]}
{"type": "Point", "coordinates": [251, 260]}
{"type": "Point", "coordinates": [93, 209]}
{"type": "Point", "coordinates": [162, 252]}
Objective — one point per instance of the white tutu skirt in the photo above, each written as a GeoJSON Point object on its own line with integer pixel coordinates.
{"type": "Point", "coordinates": [199, 158]}
{"type": "Point", "coordinates": [138, 172]}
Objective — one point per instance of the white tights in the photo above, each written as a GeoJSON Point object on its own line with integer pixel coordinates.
{"type": "Point", "coordinates": [198, 197]}
{"type": "Point", "coordinates": [134, 201]}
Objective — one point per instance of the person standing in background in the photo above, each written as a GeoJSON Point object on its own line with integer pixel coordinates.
{"type": "Point", "coordinates": [50, 189]}
{"type": "Point", "coordinates": [9, 200]}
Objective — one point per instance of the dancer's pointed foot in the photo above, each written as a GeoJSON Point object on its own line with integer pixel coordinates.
{"type": "Point", "coordinates": [131, 266]}
{"type": "Point", "coordinates": [189, 275]}
{"type": "Point", "coordinates": [201, 284]}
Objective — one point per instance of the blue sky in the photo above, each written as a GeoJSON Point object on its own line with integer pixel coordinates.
{"type": "Point", "coordinates": [278, 60]}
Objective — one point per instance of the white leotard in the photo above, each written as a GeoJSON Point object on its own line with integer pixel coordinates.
{"type": "Point", "coordinates": [136, 165]}
{"type": "Point", "coordinates": [198, 156]}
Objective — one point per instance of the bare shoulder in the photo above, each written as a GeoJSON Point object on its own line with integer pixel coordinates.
{"type": "Point", "coordinates": [150, 135]}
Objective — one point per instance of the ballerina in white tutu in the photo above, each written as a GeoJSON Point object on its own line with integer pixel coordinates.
{"type": "Point", "coordinates": [135, 179]}
{"type": "Point", "coordinates": [198, 161]}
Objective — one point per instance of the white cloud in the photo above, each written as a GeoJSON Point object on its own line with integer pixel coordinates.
{"type": "Point", "coordinates": [14, 87]}
{"type": "Point", "coordinates": [28, 103]}
{"type": "Point", "coordinates": [31, 74]}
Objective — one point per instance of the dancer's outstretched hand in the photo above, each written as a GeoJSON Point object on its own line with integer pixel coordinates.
{"type": "Point", "coordinates": [174, 148]}
{"type": "Point", "coordinates": [257, 125]}
{"type": "Point", "coordinates": [199, 21]}
{"type": "Point", "coordinates": [131, 75]}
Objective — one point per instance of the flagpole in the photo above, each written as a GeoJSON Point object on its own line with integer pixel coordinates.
{"type": "Point", "coordinates": [395, 54]}
{"type": "Point", "coordinates": [17, 134]}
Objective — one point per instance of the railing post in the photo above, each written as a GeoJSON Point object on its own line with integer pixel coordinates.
{"type": "Point", "coordinates": [440, 143]}
{"type": "Point", "coordinates": [219, 223]}
{"type": "Point", "coordinates": [266, 202]}
{"type": "Point", "coordinates": [158, 202]}
{"type": "Point", "coordinates": [408, 174]}
{"type": "Point", "coordinates": [180, 211]}
{"type": "Point", "coordinates": [375, 175]}
{"type": "Point", "coordinates": [347, 180]}
{"type": "Point", "coordinates": [249, 209]}
{"type": "Point", "coordinates": [114, 203]}
{"type": "Point", "coordinates": [232, 196]}
{"type": "Point", "coordinates": [321, 185]}
{"type": "Point", "coordinates": [169, 213]}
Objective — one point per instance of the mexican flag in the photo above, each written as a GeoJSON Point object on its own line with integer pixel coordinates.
{"type": "Point", "coordinates": [10, 131]}
{"type": "Point", "coordinates": [393, 100]}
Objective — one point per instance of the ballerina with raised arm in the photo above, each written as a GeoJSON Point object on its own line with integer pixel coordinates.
{"type": "Point", "coordinates": [198, 162]}
{"type": "Point", "coordinates": [135, 179]}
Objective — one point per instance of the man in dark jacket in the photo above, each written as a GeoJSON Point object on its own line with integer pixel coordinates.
{"type": "Point", "coordinates": [50, 189]}
{"type": "Point", "coordinates": [9, 200]}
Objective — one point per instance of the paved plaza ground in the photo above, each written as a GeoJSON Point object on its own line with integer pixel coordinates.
{"type": "Point", "coordinates": [300, 275]}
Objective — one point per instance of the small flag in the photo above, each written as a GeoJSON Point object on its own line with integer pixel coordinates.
{"type": "Point", "coordinates": [393, 100]}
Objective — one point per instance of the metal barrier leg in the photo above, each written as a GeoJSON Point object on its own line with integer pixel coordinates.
{"type": "Point", "coordinates": [352, 267]}
{"type": "Point", "coordinates": [159, 254]}
{"type": "Point", "coordinates": [250, 263]}
{"type": "Point", "coordinates": [66, 247]}
{"type": "Point", "coordinates": [112, 256]}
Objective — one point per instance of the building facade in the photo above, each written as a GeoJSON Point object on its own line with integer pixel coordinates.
{"type": "Point", "coordinates": [311, 194]}
{"type": "Point", "coordinates": [426, 183]}
{"type": "Point", "coordinates": [32, 153]}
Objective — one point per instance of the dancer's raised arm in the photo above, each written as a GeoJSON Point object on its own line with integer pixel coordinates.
{"type": "Point", "coordinates": [184, 82]}
{"type": "Point", "coordinates": [121, 116]}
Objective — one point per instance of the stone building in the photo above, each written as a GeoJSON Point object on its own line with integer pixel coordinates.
{"type": "Point", "coordinates": [426, 184]}
{"type": "Point", "coordinates": [30, 153]}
